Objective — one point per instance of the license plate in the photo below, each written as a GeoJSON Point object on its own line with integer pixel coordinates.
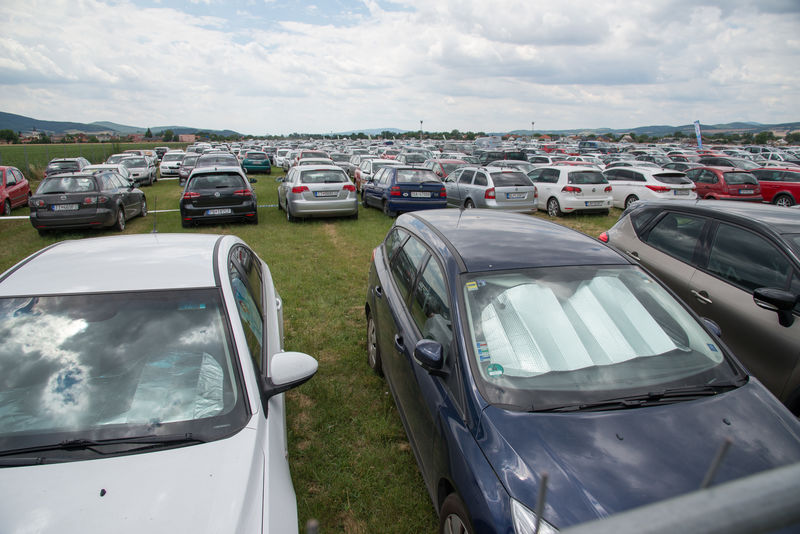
{"type": "Point", "coordinates": [745, 191]}
{"type": "Point", "coordinates": [65, 207]}
{"type": "Point", "coordinates": [326, 193]}
{"type": "Point", "coordinates": [680, 191]}
{"type": "Point", "coordinates": [516, 195]}
{"type": "Point", "coordinates": [421, 194]}
{"type": "Point", "coordinates": [594, 203]}
{"type": "Point", "coordinates": [218, 211]}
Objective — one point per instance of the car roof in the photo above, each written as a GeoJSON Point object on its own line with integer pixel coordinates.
{"type": "Point", "coordinates": [137, 262]}
{"type": "Point", "coordinates": [319, 167]}
{"type": "Point", "coordinates": [489, 240]}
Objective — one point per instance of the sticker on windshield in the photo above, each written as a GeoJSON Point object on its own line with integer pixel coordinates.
{"type": "Point", "coordinates": [483, 351]}
{"type": "Point", "coordinates": [472, 286]}
{"type": "Point", "coordinates": [712, 347]}
{"type": "Point", "coordinates": [184, 307]}
{"type": "Point", "coordinates": [495, 370]}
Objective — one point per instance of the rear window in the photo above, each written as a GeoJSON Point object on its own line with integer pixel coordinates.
{"type": "Point", "coordinates": [215, 181]}
{"type": "Point", "coordinates": [322, 177]}
{"type": "Point", "coordinates": [67, 184]}
{"type": "Point", "coordinates": [515, 155]}
{"type": "Point", "coordinates": [415, 176]}
{"type": "Point", "coordinates": [63, 166]}
{"type": "Point", "coordinates": [256, 155]}
{"type": "Point", "coordinates": [510, 179]}
{"type": "Point", "coordinates": [134, 162]}
{"type": "Point", "coordinates": [314, 154]}
{"type": "Point", "coordinates": [586, 177]}
{"type": "Point", "coordinates": [738, 178]}
{"type": "Point", "coordinates": [675, 178]}
{"type": "Point", "coordinates": [415, 158]}
{"type": "Point", "coordinates": [216, 160]}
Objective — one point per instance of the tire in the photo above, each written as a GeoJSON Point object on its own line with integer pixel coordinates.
{"type": "Point", "coordinates": [280, 208]}
{"type": "Point", "coordinates": [785, 201]}
{"type": "Point", "coordinates": [143, 213]}
{"type": "Point", "coordinates": [120, 224]}
{"type": "Point", "coordinates": [6, 208]}
{"type": "Point", "coordinates": [553, 208]}
{"type": "Point", "coordinates": [364, 200]}
{"type": "Point", "coordinates": [186, 224]}
{"type": "Point", "coordinates": [630, 200]}
{"type": "Point", "coordinates": [386, 209]}
{"type": "Point", "coordinates": [373, 352]}
{"type": "Point", "coordinates": [289, 217]}
{"type": "Point", "coordinates": [469, 204]}
{"type": "Point", "coordinates": [42, 232]}
{"type": "Point", "coordinates": [453, 517]}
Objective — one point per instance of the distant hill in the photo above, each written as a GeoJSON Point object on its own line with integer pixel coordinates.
{"type": "Point", "coordinates": [663, 130]}
{"type": "Point", "coordinates": [374, 131]}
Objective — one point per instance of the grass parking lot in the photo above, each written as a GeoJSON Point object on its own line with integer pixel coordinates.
{"type": "Point", "coordinates": [351, 464]}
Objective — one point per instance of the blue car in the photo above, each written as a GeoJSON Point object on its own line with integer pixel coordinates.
{"type": "Point", "coordinates": [401, 189]}
{"type": "Point", "coordinates": [514, 347]}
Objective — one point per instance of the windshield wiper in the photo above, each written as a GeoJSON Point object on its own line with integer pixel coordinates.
{"type": "Point", "coordinates": [92, 444]}
{"type": "Point", "coordinates": [652, 398]}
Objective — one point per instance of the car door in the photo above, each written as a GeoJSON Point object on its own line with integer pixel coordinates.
{"type": "Point", "coordinates": [14, 187]}
{"type": "Point", "coordinates": [450, 185]}
{"type": "Point", "coordinates": [738, 262]}
{"type": "Point", "coordinates": [373, 191]}
{"type": "Point", "coordinates": [463, 186]}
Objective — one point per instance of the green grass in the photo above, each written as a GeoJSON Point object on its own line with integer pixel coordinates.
{"type": "Point", "coordinates": [351, 464]}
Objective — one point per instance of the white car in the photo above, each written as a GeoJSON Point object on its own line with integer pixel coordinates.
{"type": "Point", "coordinates": [570, 188]}
{"type": "Point", "coordinates": [629, 184]}
{"type": "Point", "coordinates": [143, 389]}
{"type": "Point", "coordinates": [171, 163]}
{"type": "Point", "coordinates": [119, 169]}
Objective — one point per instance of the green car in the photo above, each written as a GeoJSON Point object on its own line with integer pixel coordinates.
{"type": "Point", "coordinates": [256, 161]}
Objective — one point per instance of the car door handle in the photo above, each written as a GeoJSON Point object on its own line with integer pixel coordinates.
{"type": "Point", "coordinates": [702, 297]}
{"type": "Point", "coordinates": [378, 291]}
{"type": "Point", "coordinates": [398, 342]}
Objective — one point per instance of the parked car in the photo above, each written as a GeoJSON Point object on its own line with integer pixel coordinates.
{"type": "Point", "coordinates": [514, 347]}
{"type": "Point", "coordinates": [519, 165]}
{"type": "Point", "coordinates": [217, 160]}
{"type": "Point", "coordinates": [398, 189]}
{"type": "Point", "coordinates": [569, 189]}
{"type": "Point", "coordinates": [64, 165]}
{"type": "Point", "coordinates": [443, 167]}
{"type": "Point", "coordinates": [115, 159]}
{"type": "Point", "coordinates": [779, 186]}
{"type": "Point", "coordinates": [141, 169]}
{"type": "Point", "coordinates": [256, 161]}
{"type": "Point", "coordinates": [410, 158]}
{"type": "Point", "coordinates": [681, 166]}
{"type": "Point", "coordinates": [725, 183]}
{"type": "Point", "coordinates": [118, 168]}
{"type": "Point", "coordinates": [737, 264]}
{"type": "Point", "coordinates": [218, 194]}
{"type": "Point", "coordinates": [368, 167]}
{"type": "Point", "coordinates": [728, 161]}
{"type": "Point", "coordinates": [85, 200]}
{"type": "Point", "coordinates": [171, 163]}
{"type": "Point", "coordinates": [490, 187]}
{"type": "Point", "coordinates": [143, 389]}
{"type": "Point", "coordinates": [630, 184]}
{"type": "Point", "coordinates": [14, 189]}
{"type": "Point", "coordinates": [160, 151]}
{"type": "Point", "coordinates": [317, 191]}
{"type": "Point", "coordinates": [187, 165]}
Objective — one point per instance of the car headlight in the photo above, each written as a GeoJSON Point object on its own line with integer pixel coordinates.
{"type": "Point", "coordinates": [525, 520]}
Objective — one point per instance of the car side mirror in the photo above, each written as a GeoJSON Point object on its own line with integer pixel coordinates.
{"type": "Point", "coordinates": [777, 300]}
{"type": "Point", "coordinates": [252, 180]}
{"type": "Point", "coordinates": [289, 370]}
{"type": "Point", "coordinates": [429, 355]}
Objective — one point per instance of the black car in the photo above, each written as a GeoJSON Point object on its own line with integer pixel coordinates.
{"type": "Point", "coordinates": [217, 160]}
{"type": "Point", "coordinates": [85, 200]}
{"type": "Point", "coordinates": [218, 194]}
{"type": "Point", "coordinates": [186, 168]}
{"type": "Point", "coordinates": [65, 165]}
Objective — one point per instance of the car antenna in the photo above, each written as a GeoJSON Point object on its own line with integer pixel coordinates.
{"type": "Point", "coordinates": [155, 214]}
{"type": "Point", "coordinates": [714, 467]}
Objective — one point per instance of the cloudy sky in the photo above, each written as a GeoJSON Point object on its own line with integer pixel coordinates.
{"type": "Point", "coordinates": [279, 66]}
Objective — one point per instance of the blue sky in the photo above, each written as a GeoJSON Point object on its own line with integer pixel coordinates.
{"type": "Point", "coordinates": [277, 67]}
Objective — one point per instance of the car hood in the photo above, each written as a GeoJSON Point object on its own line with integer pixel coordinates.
{"type": "Point", "coordinates": [206, 488]}
{"type": "Point", "coordinates": [600, 463]}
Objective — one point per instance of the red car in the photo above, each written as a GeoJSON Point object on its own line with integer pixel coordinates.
{"type": "Point", "coordinates": [14, 189]}
{"type": "Point", "coordinates": [781, 186]}
{"type": "Point", "coordinates": [725, 183]}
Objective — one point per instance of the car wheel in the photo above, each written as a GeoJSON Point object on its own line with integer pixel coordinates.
{"type": "Point", "coordinates": [386, 209]}
{"type": "Point", "coordinates": [143, 213]}
{"type": "Point", "coordinates": [120, 224]}
{"type": "Point", "coordinates": [42, 231]}
{"type": "Point", "coordinates": [453, 518]}
{"type": "Point", "coordinates": [254, 219]}
{"type": "Point", "coordinates": [289, 216]}
{"type": "Point", "coordinates": [630, 200]}
{"type": "Point", "coordinates": [364, 200]}
{"type": "Point", "coordinates": [553, 209]}
{"type": "Point", "coordinates": [469, 204]}
{"type": "Point", "coordinates": [784, 201]}
{"type": "Point", "coordinates": [6, 208]}
{"type": "Point", "coordinates": [373, 353]}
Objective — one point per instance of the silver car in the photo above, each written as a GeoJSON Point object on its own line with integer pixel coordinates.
{"type": "Point", "coordinates": [141, 168]}
{"type": "Point", "coordinates": [317, 191]}
{"type": "Point", "coordinates": [490, 187]}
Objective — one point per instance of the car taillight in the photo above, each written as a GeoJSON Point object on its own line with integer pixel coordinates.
{"type": "Point", "coordinates": [243, 193]}
{"type": "Point", "coordinates": [37, 203]}
{"type": "Point", "coordinates": [88, 201]}
{"type": "Point", "coordinates": [394, 191]}
{"type": "Point", "coordinates": [603, 237]}
{"type": "Point", "coordinates": [299, 188]}
{"type": "Point", "coordinates": [570, 189]}
{"type": "Point", "coordinates": [659, 188]}
{"type": "Point", "coordinates": [349, 187]}
{"type": "Point", "coordinates": [535, 192]}
{"type": "Point", "coordinates": [190, 195]}
{"type": "Point", "coordinates": [443, 192]}
{"type": "Point", "coordinates": [489, 194]}
{"type": "Point", "coordinates": [607, 189]}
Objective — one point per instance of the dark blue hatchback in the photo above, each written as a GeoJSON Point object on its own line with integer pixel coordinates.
{"type": "Point", "coordinates": [401, 189]}
{"type": "Point", "coordinates": [514, 347]}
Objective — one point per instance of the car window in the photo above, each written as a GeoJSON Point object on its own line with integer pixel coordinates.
{"type": "Point", "coordinates": [245, 276]}
{"type": "Point", "coordinates": [323, 177]}
{"type": "Point", "coordinates": [393, 241]}
{"type": "Point", "coordinates": [430, 306]}
{"type": "Point", "coordinates": [405, 265]}
{"type": "Point", "coordinates": [677, 234]}
{"type": "Point", "coordinates": [740, 178]}
{"type": "Point", "coordinates": [215, 181]}
{"type": "Point", "coordinates": [466, 177]}
{"type": "Point", "coordinates": [550, 176]}
{"type": "Point", "coordinates": [586, 177]}
{"type": "Point", "coordinates": [509, 179]}
{"type": "Point", "coordinates": [386, 177]}
{"type": "Point", "coordinates": [67, 184]}
{"type": "Point", "coordinates": [10, 178]}
{"type": "Point", "coordinates": [747, 260]}
{"type": "Point", "coordinates": [480, 179]}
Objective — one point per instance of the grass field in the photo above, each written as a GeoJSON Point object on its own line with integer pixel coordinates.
{"type": "Point", "coordinates": [351, 464]}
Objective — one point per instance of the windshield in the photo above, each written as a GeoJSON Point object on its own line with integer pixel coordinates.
{"type": "Point", "coordinates": [744, 164]}
{"type": "Point", "coordinates": [133, 163]}
{"type": "Point", "coordinates": [739, 178]}
{"type": "Point", "coordinates": [323, 177]}
{"type": "Point", "coordinates": [586, 177]}
{"type": "Point", "coordinates": [415, 158]}
{"type": "Point", "coordinates": [189, 161]}
{"type": "Point", "coordinates": [67, 184]}
{"type": "Point", "coordinates": [546, 337]}
{"type": "Point", "coordinates": [173, 157]}
{"type": "Point", "coordinates": [115, 365]}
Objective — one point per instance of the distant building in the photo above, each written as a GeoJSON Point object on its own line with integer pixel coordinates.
{"type": "Point", "coordinates": [187, 138]}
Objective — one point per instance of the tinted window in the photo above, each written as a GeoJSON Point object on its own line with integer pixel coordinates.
{"type": "Point", "coordinates": [510, 179]}
{"type": "Point", "coordinates": [393, 241]}
{"type": "Point", "coordinates": [677, 235]}
{"type": "Point", "coordinates": [323, 177]}
{"type": "Point", "coordinates": [67, 184]}
{"type": "Point", "coordinates": [747, 260]}
{"type": "Point", "coordinates": [430, 307]}
{"type": "Point", "coordinates": [215, 181]}
{"type": "Point", "coordinates": [739, 178]}
{"type": "Point", "coordinates": [466, 176]}
{"type": "Point", "coordinates": [244, 271]}
{"type": "Point", "coordinates": [480, 179]}
{"type": "Point", "coordinates": [405, 265]}
{"type": "Point", "coordinates": [674, 178]}
{"type": "Point", "coordinates": [586, 177]}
